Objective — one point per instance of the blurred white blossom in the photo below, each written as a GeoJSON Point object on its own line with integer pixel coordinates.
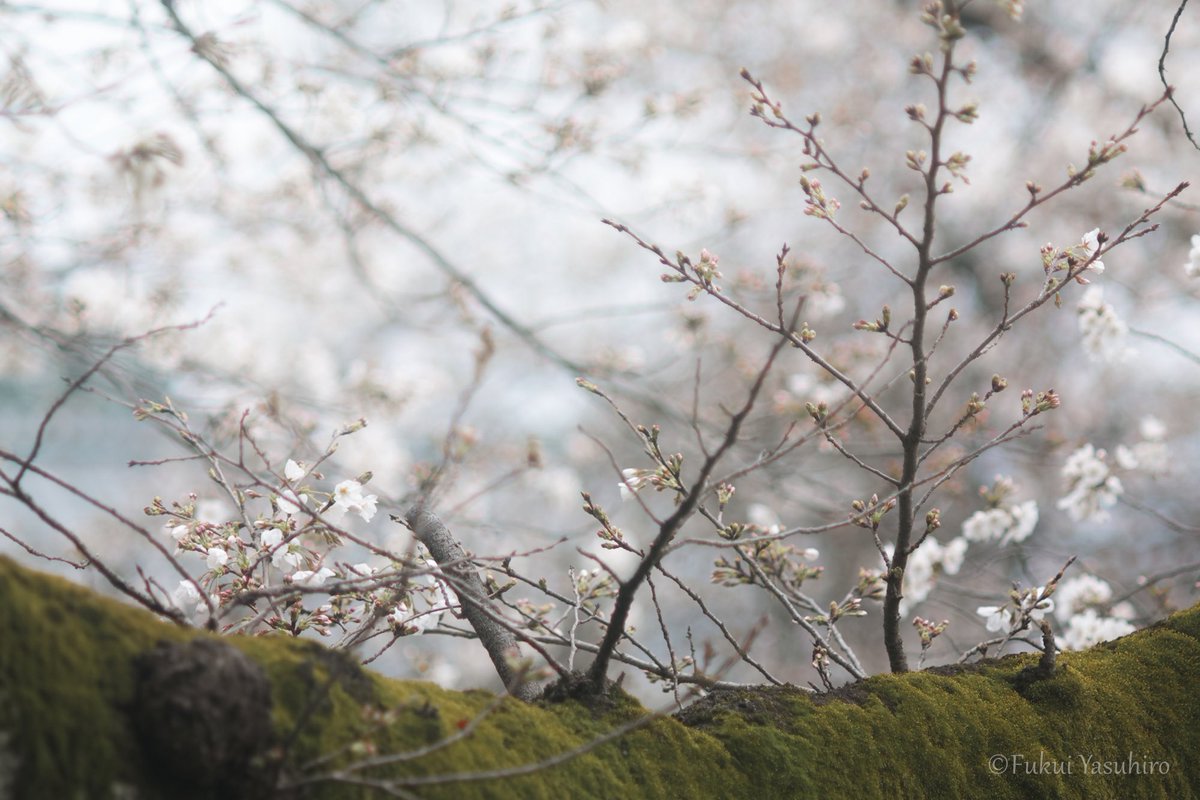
{"type": "Point", "coordinates": [449, 596]}
{"type": "Point", "coordinates": [402, 616]}
{"type": "Point", "coordinates": [187, 598]}
{"type": "Point", "coordinates": [1089, 628]}
{"type": "Point", "coordinates": [110, 301]}
{"type": "Point", "coordinates": [1091, 488]}
{"type": "Point", "coordinates": [217, 557]}
{"type": "Point", "coordinates": [632, 481]}
{"type": "Point", "coordinates": [211, 511]}
{"type": "Point", "coordinates": [1002, 525]}
{"type": "Point", "coordinates": [1151, 453]}
{"type": "Point", "coordinates": [1192, 267]}
{"type": "Point", "coordinates": [1015, 8]}
{"type": "Point", "coordinates": [823, 298]}
{"type": "Point", "coordinates": [1125, 458]}
{"type": "Point", "coordinates": [307, 577]}
{"type": "Point", "coordinates": [764, 517]}
{"type": "Point", "coordinates": [930, 559]}
{"type": "Point", "coordinates": [1076, 594]}
{"type": "Point", "coordinates": [1152, 429]}
{"type": "Point", "coordinates": [808, 387]}
{"type": "Point", "coordinates": [1104, 333]}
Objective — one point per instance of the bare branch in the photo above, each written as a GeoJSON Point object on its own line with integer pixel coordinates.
{"type": "Point", "coordinates": [1162, 73]}
{"type": "Point", "coordinates": [501, 646]}
{"type": "Point", "coordinates": [670, 527]}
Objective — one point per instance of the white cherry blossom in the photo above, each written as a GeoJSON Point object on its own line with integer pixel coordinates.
{"type": "Point", "coordinates": [217, 558]}
{"type": "Point", "coordinates": [348, 496]}
{"type": "Point", "coordinates": [1089, 628]}
{"type": "Point", "coordinates": [305, 577]}
{"type": "Point", "coordinates": [1104, 333]}
{"type": "Point", "coordinates": [293, 471]}
{"type": "Point", "coordinates": [1091, 243]}
{"type": "Point", "coordinates": [1192, 267]}
{"type": "Point", "coordinates": [1091, 487]}
{"type": "Point", "coordinates": [1077, 594]}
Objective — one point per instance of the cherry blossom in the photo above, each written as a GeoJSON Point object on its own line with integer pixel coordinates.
{"type": "Point", "coordinates": [1091, 486]}
{"type": "Point", "coordinates": [1151, 453]}
{"type": "Point", "coordinates": [1091, 244]}
{"type": "Point", "coordinates": [348, 496]}
{"type": "Point", "coordinates": [1002, 525]}
{"type": "Point", "coordinates": [1089, 628]}
{"type": "Point", "coordinates": [293, 471]}
{"type": "Point", "coordinates": [305, 577]}
{"type": "Point", "coordinates": [1192, 267]}
{"type": "Point", "coordinates": [930, 559]}
{"type": "Point", "coordinates": [287, 503]}
{"type": "Point", "coordinates": [1104, 333]}
{"type": "Point", "coordinates": [998, 617]}
{"type": "Point", "coordinates": [1077, 594]}
{"type": "Point", "coordinates": [632, 481]}
{"type": "Point", "coordinates": [187, 598]}
{"type": "Point", "coordinates": [282, 558]}
{"type": "Point", "coordinates": [217, 558]}
{"type": "Point", "coordinates": [1028, 603]}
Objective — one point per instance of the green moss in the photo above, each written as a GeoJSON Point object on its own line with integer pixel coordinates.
{"type": "Point", "coordinates": [66, 680]}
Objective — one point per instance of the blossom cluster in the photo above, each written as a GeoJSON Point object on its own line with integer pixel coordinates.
{"type": "Point", "coordinates": [1092, 488]}
{"type": "Point", "coordinates": [1001, 523]}
{"type": "Point", "coordinates": [288, 547]}
{"type": "Point", "coordinates": [1069, 259]}
{"type": "Point", "coordinates": [1104, 333]}
{"type": "Point", "coordinates": [1150, 454]}
{"type": "Point", "coordinates": [1089, 628]}
{"type": "Point", "coordinates": [1079, 604]}
{"type": "Point", "coordinates": [633, 480]}
{"type": "Point", "coordinates": [931, 559]}
{"type": "Point", "coordinates": [1081, 601]}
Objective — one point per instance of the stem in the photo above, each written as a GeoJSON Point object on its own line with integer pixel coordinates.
{"type": "Point", "coordinates": [669, 528]}
{"type": "Point", "coordinates": [1045, 667]}
{"type": "Point", "coordinates": [911, 442]}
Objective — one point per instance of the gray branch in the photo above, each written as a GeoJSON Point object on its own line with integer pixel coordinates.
{"type": "Point", "coordinates": [499, 642]}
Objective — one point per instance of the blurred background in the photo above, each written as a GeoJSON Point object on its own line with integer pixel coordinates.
{"type": "Point", "coordinates": [356, 191]}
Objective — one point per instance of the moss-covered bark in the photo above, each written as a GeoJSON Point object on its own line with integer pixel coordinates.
{"type": "Point", "coordinates": [71, 665]}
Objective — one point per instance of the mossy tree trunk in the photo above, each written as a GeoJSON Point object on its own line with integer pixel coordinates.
{"type": "Point", "coordinates": [101, 700]}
